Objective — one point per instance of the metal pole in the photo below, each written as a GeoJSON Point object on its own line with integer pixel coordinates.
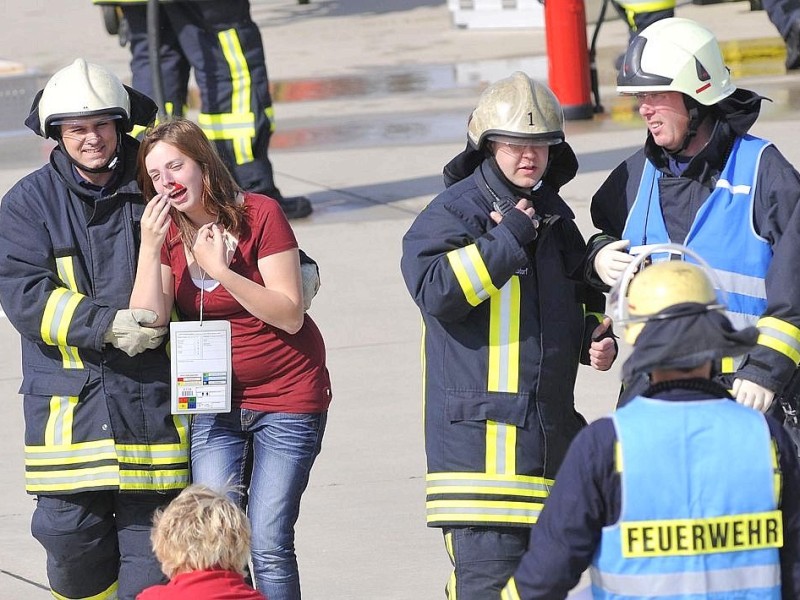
{"type": "Point", "coordinates": [153, 46]}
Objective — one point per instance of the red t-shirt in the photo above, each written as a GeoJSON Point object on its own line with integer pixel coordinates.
{"type": "Point", "coordinates": [214, 584]}
{"type": "Point", "coordinates": [273, 371]}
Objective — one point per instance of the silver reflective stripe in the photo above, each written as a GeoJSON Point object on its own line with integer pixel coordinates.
{"type": "Point", "coordinates": [653, 585]}
{"type": "Point", "coordinates": [538, 488]}
{"type": "Point", "coordinates": [152, 454]}
{"type": "Point", "coordinates": [504, 327]}
{"type": "Point", "coordinates": [741, 320]}
{"type": "Point", "coordinates": [500, 449]}
{"type": "Point", "coordinates": [745, 285]}
{"type": "Point", "coordinates": [777, 334]}
{"type": "Point", "coordinates": [478, 507]}
{"type": "Point", "coordinates": [735, 189]}
{"type": "Point", "coordinates": [74, 454]}
{"type": "Point", "coordinates": [474, 277]}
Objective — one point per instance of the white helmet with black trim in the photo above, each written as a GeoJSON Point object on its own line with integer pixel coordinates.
{"type": "Point", "coordinates": [676, 55]}
{"type": "Point", "coordinates": [517, 108]}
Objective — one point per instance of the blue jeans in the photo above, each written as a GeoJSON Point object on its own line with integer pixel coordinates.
{"type": "Point", "coordinates": [284, 446]}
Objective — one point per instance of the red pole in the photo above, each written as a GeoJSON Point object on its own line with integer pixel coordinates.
{"type": "Point", "coordinates": [568, 56]}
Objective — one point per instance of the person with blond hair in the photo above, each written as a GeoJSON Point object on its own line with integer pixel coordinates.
{"type": "Point", "coordinates": [202, 540]}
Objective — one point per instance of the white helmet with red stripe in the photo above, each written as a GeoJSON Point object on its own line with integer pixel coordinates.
{"type": "Point", "coordinates": [676, 55]}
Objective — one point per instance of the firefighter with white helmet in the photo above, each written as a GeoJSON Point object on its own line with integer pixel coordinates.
{"type": "Point", "coordinates": [494, 264]}
{"type": "Point", "coordinates": [102, 450]}
{"type": "Point", "coordinates": [703, 180]}
{"type": "Point", "coordinates": [650, 499]}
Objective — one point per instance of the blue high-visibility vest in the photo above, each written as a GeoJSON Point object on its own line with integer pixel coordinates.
{"type": "Point", "coordinates": [700, 516]}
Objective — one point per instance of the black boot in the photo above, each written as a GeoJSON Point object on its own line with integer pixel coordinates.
{"type": "Point", "coordinates": [295, 207]}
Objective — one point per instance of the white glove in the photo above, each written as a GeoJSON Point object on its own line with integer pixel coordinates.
{"type": "Point", "coordinates": [311, 282]}
{"type": "Point", "coordinates": [611, 261]}
{"type": "Point", "coordinates": [128, 334]}
{"type": "Point", "coordinates": [751, 394]}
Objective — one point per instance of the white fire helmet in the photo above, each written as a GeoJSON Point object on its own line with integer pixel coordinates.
{"type": "Point", "coordinates": [81, 90]}
{"type": "Point", "coordinates": [677, 55]}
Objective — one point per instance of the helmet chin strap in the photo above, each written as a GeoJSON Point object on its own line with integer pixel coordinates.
{"type": "Point", "coordinates": [106, 168]}
{"type": "Point", "coordinates": [697, 115]}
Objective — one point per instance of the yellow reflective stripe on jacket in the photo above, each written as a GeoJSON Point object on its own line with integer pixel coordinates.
{"type": "Point", "coordinates": [598, 316]}
{"type": "Point", "coordinates": [58, 431]}
{"type": "Point", "coordinates": [483, 483]}
{"type": "Point", "coordinates": [471, 273]}
{"type": "Point", "coordinates": [504, 312]}
{"type": "Point", "coordinates": [510, 591]}
{"type": "Point", "coordinates": [59, 311]}
{"type": "Point", "coordinates": [70, 467]}
{"type": "Point", "coordinates": [56, 320]}
{"type": "Point", "coordinates": [69, 454]}
{"type": "Point", "coordinates": [777, 476]}
{"type": "Point", "coordinates": [483, 511]}
{"type": "Point", "coordinates": [532, 492]}
{"type": "Point", "coordinates": [137, 131]}
{"type": "Point", "coordinates": [174, 456]}
{"type": "Point", "coordinates": [646, 6]}
{"type": "Point", "coordinates": [781, 336]}
{"type": "Point", "coordinates": [110, 593]}
{"type": "Point", "coordinates": [501, 448]}
{"type": "Point", "coordinates": [155, 454]}
{"type": "Point", "coordinates": [162, 479]}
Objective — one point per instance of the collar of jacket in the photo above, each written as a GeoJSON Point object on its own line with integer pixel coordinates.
{"type": "Point", "coordinates": [545, 200]}
{"type": "Point", "coordinates": [683, 390]}
{"type": "Point", "coordinates": [125, 172]}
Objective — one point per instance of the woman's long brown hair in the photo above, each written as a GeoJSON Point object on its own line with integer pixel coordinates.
{"type": "Point", "coordinates": [219, 187]}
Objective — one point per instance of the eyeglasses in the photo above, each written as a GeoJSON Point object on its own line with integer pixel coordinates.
{"type": "Point", "coordinates": [649, 97]}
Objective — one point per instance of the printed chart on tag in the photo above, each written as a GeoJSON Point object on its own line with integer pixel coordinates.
{"type": "Point", "coordinates": [201, 367]}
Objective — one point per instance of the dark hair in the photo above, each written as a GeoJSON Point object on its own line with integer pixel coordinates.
{"type": "Point", "coordinates": [219, 187]}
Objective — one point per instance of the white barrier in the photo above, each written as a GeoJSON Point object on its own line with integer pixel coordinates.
{"type": "Point", "coordinates": [497, 13]}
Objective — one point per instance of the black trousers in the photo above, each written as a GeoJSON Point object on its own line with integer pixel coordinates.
{"type": "Point", "coordinates": [98, 543]}
{"type": "Point", "coordinates": [218, 41]}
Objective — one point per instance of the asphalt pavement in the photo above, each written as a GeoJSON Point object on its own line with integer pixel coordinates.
{"type": "Point", "coordinates": [371, 101]}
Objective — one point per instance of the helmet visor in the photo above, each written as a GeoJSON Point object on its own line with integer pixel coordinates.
{"type": "Point", "coordinates": [544, 140]}
{"type": "Point", "coordinates": [85, 121]}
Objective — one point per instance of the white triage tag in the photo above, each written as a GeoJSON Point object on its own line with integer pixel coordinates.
{"type": "Point", "coordinates": [201, 366]}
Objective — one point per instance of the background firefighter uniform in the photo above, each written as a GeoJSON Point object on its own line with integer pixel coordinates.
{"type": "Point", "coordinates": [99, 437]}
{"type": "Point", "coordinates": [219, 41]}
{"type": "Point", "coordinates": [504, 331]}
{"type": "Point", "coordinates": [594, 478]}
{"type": "Point", "coordinates": [638, 14]}
{"type": "Point", "coordinates": [774, 218]}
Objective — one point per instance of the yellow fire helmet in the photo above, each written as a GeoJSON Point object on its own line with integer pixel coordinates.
{"type": "Point", "coordinates": [646, 289]}
{"type": "Point", "coordinates": [520, 108]}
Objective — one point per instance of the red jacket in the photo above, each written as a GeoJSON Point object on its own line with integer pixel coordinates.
{"type": "Point", "coordinates": [214, 584]}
